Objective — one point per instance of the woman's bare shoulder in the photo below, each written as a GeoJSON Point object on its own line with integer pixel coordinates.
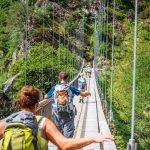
{"type": "Point", "coordinates": [2, 122]}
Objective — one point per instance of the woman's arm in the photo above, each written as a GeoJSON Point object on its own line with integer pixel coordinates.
{"type": "Point", "coordinates": [63, 143]}
{"type": "Point", "coordinates": [73, 144]}
{"type": "Point", "coordinates": [1, 129]}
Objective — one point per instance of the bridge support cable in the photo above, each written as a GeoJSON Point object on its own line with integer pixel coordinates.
{"type": "Point", "coordinates": [81, 30]}
{"type": "Point", "coordinates": [97, 51]}
{"type": "Point", "coordinates": [52, 68]}
{"type": "Point", "coordinates": [26, 40]}
{"type": "Point", "coordinates": [68, 45]}
{"type": "Point", "coordinates": [102, 50]}
{"type": "Point", "coordinates": [132, 145]}
{"type": "Point", "coordinates": [112, 68]}
{"type": "Point", "coordinates": [64, 42]}
{"type": "Point", "coordinates": [70, 49]}
{"type": "Point", "coordinates": [64, 28]}
{"type": "Point", "coordinates": [98, 36]}
{"type": "Point", "coordinates": [60, 20]}
{"type": "Point", "coordinates": [96, 46]}
{"type": "Point", "coordinates": [106, 49]}
{"type": "Point", "coordinates": [104, 55]}
{"type": "Point", "coordinates": [95, 39]}
{"type": "Point", "coordinates": [43, 44]}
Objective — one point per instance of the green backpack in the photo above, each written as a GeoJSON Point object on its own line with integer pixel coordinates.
{"type": "Point", "coordinates": [18, 136]}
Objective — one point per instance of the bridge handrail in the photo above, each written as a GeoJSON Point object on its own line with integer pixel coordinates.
{"type": "Point", "coordinates": [104, 128]}
{"type": "Point", "coordinates": [44, 105]}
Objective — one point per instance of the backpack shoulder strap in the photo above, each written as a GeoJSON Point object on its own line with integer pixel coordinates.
{"type": "Point", "coordinates": [5, 142]}
{"type": "Point", "coordinates": [40, 122]}
{"type": "Point", "coordinates": [1, 143]}
{"type": "Point", "coordinates": [39, 118]}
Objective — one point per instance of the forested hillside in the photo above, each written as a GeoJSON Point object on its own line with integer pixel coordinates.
{"type": "Point", "coordinates": [40, 38]}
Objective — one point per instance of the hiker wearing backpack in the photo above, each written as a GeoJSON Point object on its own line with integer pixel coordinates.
{"type": "Point", "coordinates": [82, 85]}
{"type": "Point", "coordinates": [89, 70]}
{"type": "Point", "coordinates": [63, 109]}
{"type": "Point", "coordinates": [25, 131]}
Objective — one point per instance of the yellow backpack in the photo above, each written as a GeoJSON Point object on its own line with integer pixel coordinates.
{"type": "Point", "coordinates": [18, 136]}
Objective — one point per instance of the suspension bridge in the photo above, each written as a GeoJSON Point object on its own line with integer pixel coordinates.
{"type": "Point", "coordinates": [90, 118]}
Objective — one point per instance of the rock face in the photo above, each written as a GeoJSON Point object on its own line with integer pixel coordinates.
{"type": "Point", "coordinates": [5, 105]}
{"type": "Point", "coordinates": [8, 84]}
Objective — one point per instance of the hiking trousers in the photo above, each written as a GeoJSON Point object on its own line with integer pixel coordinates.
{"type": "Point", "coordinates": [66, 127]}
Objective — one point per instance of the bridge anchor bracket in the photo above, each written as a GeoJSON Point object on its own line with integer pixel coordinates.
{"type": "Point", "coordinates": [111, 120]}
{"type": "Point", "coordinates": [132, 145]}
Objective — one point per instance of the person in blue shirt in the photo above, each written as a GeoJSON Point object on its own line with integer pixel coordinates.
{"type": "Point", "coordinates": [82, 84]}
{"type": "Point", "coordinates": [63, 110]}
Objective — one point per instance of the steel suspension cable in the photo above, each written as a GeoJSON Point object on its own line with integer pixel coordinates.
{"type": "Point", "coordinates": [68, 46]}
{"type": "Point", "coordinates": [43, 43]}
{"type": "Point", "coordinates": [98, 38]}
{"type": "Point", "coordinates": [132, 145]}
{"type": "Point", "coordinates": [105, 58]}
{"type": "Point", "coordinates": [26, 41]}
{"type": "Point", "coordinates": [96, 43]}
{"type": "Point", "coordinates": [103, 50]}
{"type": "Point", "coordinates": [134, 70]}
{"type": "Point", "coordinates": [53, 45]}
{"type": "Point", "coordinates": [101, 46]}
{"type": "Point", "coordinates": [72, 59]}
{"type": "Point", "coordinates": [64, 29]}
{"type": "Point", "coordinates": [75, 49]}
{"type": "Point", "coordinates": [104, 26]}
{"type": "Point", "coordinates": [107, 30]}
{"type": "Point", "coordinates": [64, 19]}
{"type": "Point", "coordinates": [60, 19]}
{"type": "Point", "coordinates": [82, 35]}
{"type": "Point", "coordinates": [96, 51]}
{"type": "Point", "coordinates": [100, 43]}
{"type": "Point", "coordinates": [112, 65]}
{"type": "Point", "coordinates": [100, 26]}
{"type": "Point", "coordinates": [106, 55]}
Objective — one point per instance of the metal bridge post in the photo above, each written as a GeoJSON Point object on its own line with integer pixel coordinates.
{"type": "Point", "coordinates": [110, 116]}
{"type": "Point", "coordinates": [132, 145]}
{"type": "Point", "coordinates": [110, 119]}
{"type": "Point", "coordinates": [104, 106]}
